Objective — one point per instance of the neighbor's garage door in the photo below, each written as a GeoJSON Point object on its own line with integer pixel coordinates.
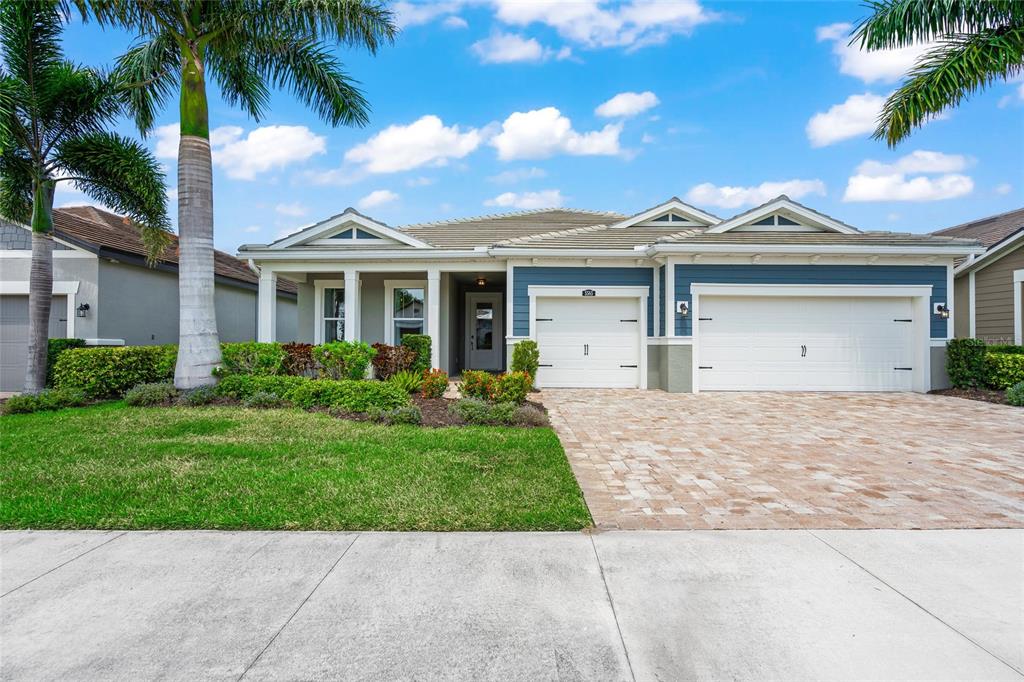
{"type": "Point", "coordinates": [14, 337]}
{"type": "Point", "coordinates": [811, 344]}
{"type": "Point", "coordinates": [588, 342]}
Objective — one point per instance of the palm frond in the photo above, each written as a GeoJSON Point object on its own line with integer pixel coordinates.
{"type": "Point", "coordinates": [123, 175]}
{"type": "Point", "coordinates": [148, 76]}
{"type": "Point", "coordinates": [959, 66]}
{"type": "Point", "coordinates": [356, 23]}
{"type": "Point", "coordinates": [241, 81]}
{"type": "Point", "coordinates": [900, 23]}
{"type": "Point", "coordinates": [30, 37]}
{"type": "Point", "coordinates": [74, 100]}
{"type": "Point", "coordinates": [16, 186]}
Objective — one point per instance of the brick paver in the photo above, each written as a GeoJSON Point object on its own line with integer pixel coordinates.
{"type": "Point", "coordinates": [654, 460]}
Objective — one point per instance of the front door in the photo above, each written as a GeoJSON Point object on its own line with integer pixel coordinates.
{"type": "Point", "coordinates": [485, 334]}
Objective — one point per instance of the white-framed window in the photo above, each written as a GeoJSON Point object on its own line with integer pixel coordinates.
{"type": "Point", "coordinates": [330, 310]}
{"type": "Point", "coordinates": [405, 309]}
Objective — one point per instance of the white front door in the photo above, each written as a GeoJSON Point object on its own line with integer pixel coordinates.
{"type": "Point", "coordinates": [767, 343]}
{"type": "Point", "coordinates": [485, 335]}
{"type": "Point", "coordinates": [588, 342]}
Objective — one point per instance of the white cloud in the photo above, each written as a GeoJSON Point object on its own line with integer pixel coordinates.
{"type": "Point", "coordinates": [707, 194]}
{"type": "Point", "coordinates": [518, 175]}
{"type": "Point", "coordinates": [548, 198]}
{"type": "Point", "coordinates": [377, 198]}
{"type": "Point", "coordinates": [506, 48]}
{"type": "Point", "coordinates": [417, 13]}
{"type": "Point", "coordinates": [856, 116]}
{"type": "Point", "coordinates": [543, 132]}
{"type": "Point", "coordinates": [454, 22]}
{"type": "Point", "coordinates": [1003, 188]}
{"type": "Point", "coordinates": [594, 24]}
{"type": "Point", "coordinates": [426, 141]}
{"type": "Point", "coordinates": [420, 181]}
{"type": "Point", "coordinates": [626, 104]}
{"type": "Point", "coordinates": [648, 139]}
{"type": "Point", "coordinates": [295, 210]}
{"type": "Point", "coordinates": [877, 181]}
{"type": "Point", "coordinates": [1016, 97]}
{"type": "Point", "coordinates": [251, 229]}
{"type": "Point", "coordinates": [172, 193]}
{"type": "Point", "coordinates": [264, 149]}
{"type": "Point", "coordinates": [884, 66]}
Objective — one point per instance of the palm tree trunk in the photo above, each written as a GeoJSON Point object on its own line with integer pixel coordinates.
{"type": "Point", "coordinates": [40, 286]}
{"type": "Point", "coordinates": [198, 345]}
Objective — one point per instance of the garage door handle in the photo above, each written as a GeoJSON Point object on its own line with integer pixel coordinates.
{"type": "Point", "coordinates": [545, 319]}
{"type": "Point", "coordinates": [545, 365]}
{"type": "Point", "coordinates": [904, 369]}
{"type": "Point", "coordinates": [586, 349]}
{"type": "Point", "coordinates": [902, 320]}
{"type": "Point", "coordinates": [803, 351]}
{"type": "Point", "coordinates": [627, 365]}
{"type": "Point", "coordinates": [627, 320]}
{"type": "Point", "coordinates": [704, 367]}
{"type": "Point", "coordinates": [705, 319]}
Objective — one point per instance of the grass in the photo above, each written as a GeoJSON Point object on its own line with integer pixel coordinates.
{"type": "Point", "coordinates": [113, 466]}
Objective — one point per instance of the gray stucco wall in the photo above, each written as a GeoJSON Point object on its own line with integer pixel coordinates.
{"type": "Point", "coordinates": [82, 270]}
{"type": "Point", "coordinates": [938, 364]}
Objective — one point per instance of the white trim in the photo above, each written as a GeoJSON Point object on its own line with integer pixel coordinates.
{"type": "Point", "coordinates": [67, 288]}
{"type": "Point", "coordinates": [352, 305]}
{"type": "Point", "coordinates": [266, 297]}
{"type": "Point", "coordinates": [389, 306]}
{"type": "Point", "coordinates": [104, 342]}
{"type": "Point", "coordinates": [332, 224]}
{"type": "Point", "coordinates": [971, 311]}
{"type": "Point", "coordinates": [673, 341]}
{"type": "Point", "coordinates": [536, 291]}
{"type": "Point", "coordinates": [950, 302]}
{"type": "Point", "coordinates": [510, 268]}
{"type": "Point", "coordinates": [990, 256]}
{"type": "Point", "coordinates": [656, 307]}
{"type": "Point", "coordinates": [921, 295]}
{"type": "Point", "coordinates": [57, 253]}
{"type": "Point", "coordinates": [783, 204]}
{"type": "Point", "coordinates": [809, 249]}
{"type": "Point", "coordinates": [669, 314]}
{"type": "Point", "coordinates": [432, 294]}
{"type": "Point", "coordinates": [673, 205]}
{"type": "Point", "coordinates": [318, 304]}
{"type": "Point", "coordinates": [1018, 307]}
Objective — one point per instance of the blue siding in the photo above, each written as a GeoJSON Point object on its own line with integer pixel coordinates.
{"type": "Point", "coordinates": [660, 331]}
{"type": "Point", "coordinates": [935, 275]}
{"type": "Point", "coordinates": [523, 277]}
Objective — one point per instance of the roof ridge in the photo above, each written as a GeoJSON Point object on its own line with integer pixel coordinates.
{"type": "Point", "coordinates": [554, 233]}
{"type": "Point", "coordinates": [510, 214]}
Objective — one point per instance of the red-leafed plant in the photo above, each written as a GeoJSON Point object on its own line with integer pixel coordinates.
{"type": "Point", "coordinates": [391, 360]}
{"type": "Point", "coordinates": [435, 383]}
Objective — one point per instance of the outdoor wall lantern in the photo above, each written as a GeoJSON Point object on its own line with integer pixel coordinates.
{"type": "Point", "coordinates": [481, 281]}
{"type": "Point", "coordinates": [942, 311]}
{"type": "Point", "coordinates": [683, 308]}
{"type": "Point", "coordinates": [82, 310]}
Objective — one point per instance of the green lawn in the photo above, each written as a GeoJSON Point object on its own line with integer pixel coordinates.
{"type": "Point", "coordinates": [112, 466]}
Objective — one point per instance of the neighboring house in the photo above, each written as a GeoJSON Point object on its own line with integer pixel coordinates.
{"type": "Point", "coordinates": [104, 292]}
{"type": "Point", "coordinates": [988, 288]}
{"type": "Point", "coordinates": [780, 297]}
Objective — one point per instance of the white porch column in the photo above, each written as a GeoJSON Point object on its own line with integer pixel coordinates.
{"type": "Point", "coordinates": [352, 306]}
{"type": "Point", "coordinates": [670, 297]}
{"type": "Point", "coordinates": [434, 315]}
{"type": "Point", "coordinates": [266, 328]}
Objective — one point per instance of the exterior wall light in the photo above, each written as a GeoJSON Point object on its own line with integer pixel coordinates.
{"type": "Point", "coordinates": [481, 281]}
{"type": "Point", "coordinates": [941, 310]}
{"type": "Point", "coordinates": [683, 308]}
{"type": "Point", "coordinates": [82, 310]}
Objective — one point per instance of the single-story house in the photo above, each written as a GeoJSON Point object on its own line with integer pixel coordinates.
{"type": "Point", "coordinates": [781, 297]}
{"type": "Point", "coordinates": [989, 288]}
{"type": "Point", "coordinates": [104, 292]}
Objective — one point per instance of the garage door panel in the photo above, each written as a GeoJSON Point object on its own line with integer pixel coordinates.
{"type": "Point", "coordinates": [586, 342]}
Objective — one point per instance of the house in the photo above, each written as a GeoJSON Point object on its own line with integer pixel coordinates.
{"type": "Point", "coordinates": [781, 297]}
{"type": "Point", "coordinates": [988, 288]}
{"type": "Point", "coordinates": [104, 292]}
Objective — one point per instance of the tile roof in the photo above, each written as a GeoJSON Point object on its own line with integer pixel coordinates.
{"type": "Point", "coordinates": [90, 226]}
{"type": "Point", "coordinates": [488, 230]}
{"type": "Point", "coordinates": [988, 230]}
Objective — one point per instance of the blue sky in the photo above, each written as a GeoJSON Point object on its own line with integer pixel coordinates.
{"type": "Point", "coordinates": [487, 107]}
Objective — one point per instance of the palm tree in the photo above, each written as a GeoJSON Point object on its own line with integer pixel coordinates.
{"type": "Point", "coordinates": [53, 119]}
{"type": "Point", "coordinates": [978, 42]}
{"type": "Point", "coordinates": [246, 47]}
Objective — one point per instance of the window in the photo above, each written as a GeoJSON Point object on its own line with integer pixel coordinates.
{"type": "Point", "coordinates": [334, 314]}
{"type": "Point", "coordinates": [776, 220]}
{"type": "Point", "coordinates": [405, 308]}
{"type": "Point", "coordinates": [354, 234]}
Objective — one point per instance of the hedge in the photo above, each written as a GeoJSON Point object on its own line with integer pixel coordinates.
{"type": "Point", "coordinates": [252, 357]}
{"type": "Point", "coordinates": [107, 372]}
{"type": "Point", "coordinates": [1003, 370]}
{"type": "Point", "coordinates": [965, 362]}
{"type": "Point", "coordinates": [420, 343]}
{"type": "Point", "coordinates": [54, 348]}
{"type": "Point", "coordinates": [351, 395]}
{"type": "Point", "coordinates": [244, 386]}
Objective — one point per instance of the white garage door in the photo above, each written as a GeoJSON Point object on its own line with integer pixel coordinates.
{"type": "Point", "coordinates": [588, 342]}
{"type": "Point", "coordinates": [810, 344]}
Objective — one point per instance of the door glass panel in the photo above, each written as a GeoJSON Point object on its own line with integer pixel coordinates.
{"type": "Point", "coordinates": [334, 330]}
{"type": "Point", "coordinates": [484, 326]}
{"type": "Point", "coordinates": [334, 303]}
{"type": "Point", "coordinates": [408, 303]}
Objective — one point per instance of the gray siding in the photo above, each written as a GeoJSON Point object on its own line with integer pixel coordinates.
{"type": "Point", "coordinates": [935, 275]}
{"type": "Point", "coordinates": [305, 315]}
{"type": "Point", "coordinates": [962, 307]}
{"type": "Point", "coordinates": [524, 277]}
{"type": "Point", "coordinates": [993, 298]}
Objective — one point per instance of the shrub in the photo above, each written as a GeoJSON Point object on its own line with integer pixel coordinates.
{"type": "Point", "coordinates": [526, 358]}
{"type": "Point", "coordinates": [265, 400]}
{"type": "Point", "coordinates": [198, 396]}
{"type": "Point", "coordinates": [476, 384]}
{"type": "Point", "coordinates": [410, 414]}
{"type": "Point", "coordinates": [1015, 394]}
{"type": "Point", "coordinates": [1003, 370]}
{"type": "Point", "coordinates": [298, 359]}
{"type": "Point", "coordinates": [965, 362]}
{"type": "Point", "coordinates": [107, 372]}
{"type": "Point", "coordinates": [251, 357]}
{"type": "Point", "coordinates": [54, 347]}
{"type": "Point", "coordinates": [243, 386]}
{"type": "Point", "coordinates": [391, 360]}
{"type": "Point", "coordinates": [344, 359]}
{"type": "Point", "coordinates": [1006, 348]}
{"type": "Point", "coordinates": [476, 411]}
{"type": "Point", "coordinates": [435, 383]}
{"type": "Point", "coordinates": [144, 395]}
{"type": "Point", "coordinates": [530, 415]}
{"type": "Point", "coordinates": [420, 344]}
{"type": "Point", "coordinates": [53, 399]}
{"type": "Point", "coordinates": [510, 388]}
{"type": "Point", "coordinates": [354, 396]}
{"type": "Point", "coordinates": [407, 380]}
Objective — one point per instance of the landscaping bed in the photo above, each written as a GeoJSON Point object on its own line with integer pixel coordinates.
{"type": "Point", "coordinates": [987, 395]}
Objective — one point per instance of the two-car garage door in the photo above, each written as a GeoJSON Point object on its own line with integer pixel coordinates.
{"type": "Point", "coordinates": [759, 343]}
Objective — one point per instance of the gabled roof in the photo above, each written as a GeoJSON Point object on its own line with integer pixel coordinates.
{"type": "Point", "coordinates": [1003, 247]}
{"type": "Point", "coordinates": [348, 216]}
{"type": "Point", "coordinates": [100, 231]}
{"type": "Point", "coordinates": [988, 230]}
{"type": "Point", "coordinates": [673, 205]}
{"type": "Point", "coordinates": [489, 230]}
{"type": "Point", "coordinates": [786, 205]}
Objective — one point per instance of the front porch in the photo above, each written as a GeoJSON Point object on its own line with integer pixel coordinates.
{"type": "Point", "coordinates": [464, 309]}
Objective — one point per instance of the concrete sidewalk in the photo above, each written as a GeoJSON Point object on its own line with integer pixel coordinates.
{"type": "Point", "coordinates": [612, 606]}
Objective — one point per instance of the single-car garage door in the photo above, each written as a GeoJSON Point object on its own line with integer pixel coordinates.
{"type": "Point", "coordinates": [811, 344]}
{"type": "Point", "coordinates": [588, 342]}
{"type": "Point", "coordinates": [14, 337]}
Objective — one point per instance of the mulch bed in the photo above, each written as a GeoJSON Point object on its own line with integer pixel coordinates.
{"type": "Point", "coordinates": [435, 411]}
{"type": "Point", "coordinates": [986, 395]}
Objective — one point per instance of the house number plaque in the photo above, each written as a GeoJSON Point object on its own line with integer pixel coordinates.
{"type": "Point", "coordinates": [589, 292]}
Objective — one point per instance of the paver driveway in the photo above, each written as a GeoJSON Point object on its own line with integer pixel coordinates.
{"type": "Point", "coordinates": [652, 460]}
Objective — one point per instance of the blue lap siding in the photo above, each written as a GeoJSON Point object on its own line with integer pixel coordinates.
{"type": "Point", "coordinates": [524, 277]}
{"type": "Point", "coordinates": [935, 275]}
